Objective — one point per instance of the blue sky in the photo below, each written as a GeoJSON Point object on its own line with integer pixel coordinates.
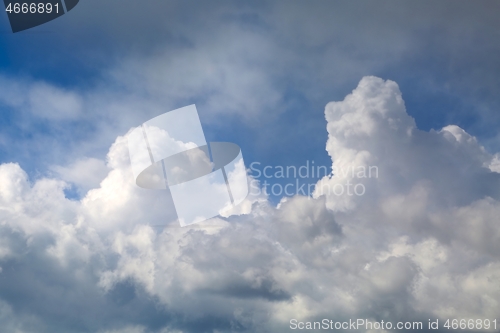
{"type": "Point", "coordinates": [263, 75]}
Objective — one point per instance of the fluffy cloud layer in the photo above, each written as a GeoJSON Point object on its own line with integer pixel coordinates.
{"type": "Point", "coordinates": [422, 242]}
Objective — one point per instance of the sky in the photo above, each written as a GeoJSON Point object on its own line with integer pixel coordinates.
{"type": "Point", "coordinates": [406, 88]}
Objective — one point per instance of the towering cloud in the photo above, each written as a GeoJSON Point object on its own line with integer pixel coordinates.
{"type": "Point", "coordinates": [421, 241]}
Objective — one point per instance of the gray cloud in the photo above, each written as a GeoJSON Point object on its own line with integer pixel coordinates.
{"type": "Point", "coordinates": [421, 243]}
{"type": "Point", "coordinates": [257, 66]}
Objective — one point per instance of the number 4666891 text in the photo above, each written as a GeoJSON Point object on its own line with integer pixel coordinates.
{"type": "Point", "coordinates": [32, 8]}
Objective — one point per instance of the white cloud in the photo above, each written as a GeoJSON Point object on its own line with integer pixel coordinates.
{"type": "Point", "coordinates": [421, 243]}
{"type": "Point", "coordinates": [86, 173]}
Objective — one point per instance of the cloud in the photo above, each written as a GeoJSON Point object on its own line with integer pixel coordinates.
{"type": "Point", "coordinates": [420, 243]}
{"type": "Point", "coordinates": [228, 79]}
{"type": "Point", "coordinates": [258, 65]}
{"type": "Point", "coordinates": [40, 99]}
{"type": "Point", "coordinates": [86, 174]}
{"type": "Point", "coordinates": [226, 86]}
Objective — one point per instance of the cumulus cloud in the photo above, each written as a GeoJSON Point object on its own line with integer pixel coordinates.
{"type": "Point", "coordinates": [420, 243]}
{"type": "Point", "coordinates": [86, 173]}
